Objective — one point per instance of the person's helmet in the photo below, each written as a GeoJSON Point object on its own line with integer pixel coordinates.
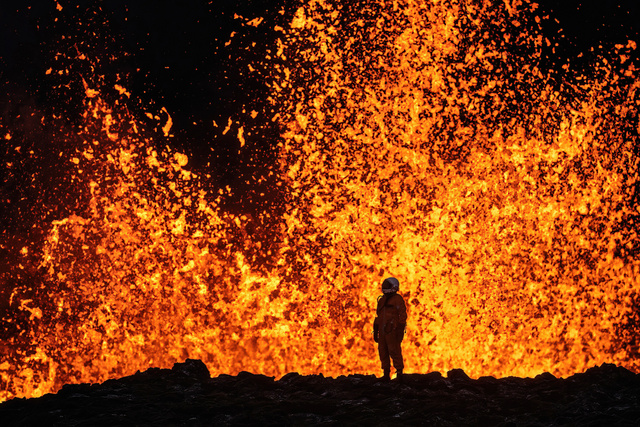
{"type": "Point", "coordinates": [390, 285]}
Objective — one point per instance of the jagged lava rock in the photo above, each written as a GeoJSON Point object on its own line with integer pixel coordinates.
{"type": "Point", "coordinates": [187, 395]}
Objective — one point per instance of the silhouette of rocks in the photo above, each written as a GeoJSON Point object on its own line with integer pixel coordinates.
{"type": "Point", "coordinates": [186, 395]}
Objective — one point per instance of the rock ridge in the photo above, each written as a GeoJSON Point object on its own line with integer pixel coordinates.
{"type": "Point", "coordinates": [186, 395]}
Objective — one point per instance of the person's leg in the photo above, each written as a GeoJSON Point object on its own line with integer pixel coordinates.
{"type": "Point", "coordinates": [395, 352]}
{"type": "Point", "coordinates": [383, 352]}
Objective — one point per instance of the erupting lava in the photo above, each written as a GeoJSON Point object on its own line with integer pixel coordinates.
{"type": "Point", "coordinates": [429, 140]}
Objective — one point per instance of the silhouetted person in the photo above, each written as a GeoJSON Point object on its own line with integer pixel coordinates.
{"type": "Point", "coordinates": [389, 326]}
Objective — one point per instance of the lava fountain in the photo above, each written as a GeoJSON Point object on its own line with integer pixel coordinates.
{"type": "Point", "coordinates": [430, 140]}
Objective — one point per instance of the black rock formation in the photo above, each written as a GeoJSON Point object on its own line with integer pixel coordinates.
{"type": "Point", "coordinates": [186, 395]}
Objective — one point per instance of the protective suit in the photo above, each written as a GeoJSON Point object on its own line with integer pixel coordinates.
{"type": "Point", "coordinates": [389, 327]}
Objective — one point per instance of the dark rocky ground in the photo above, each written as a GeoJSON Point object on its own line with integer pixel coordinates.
{"type": "Point", "coordinates": [186, 395]}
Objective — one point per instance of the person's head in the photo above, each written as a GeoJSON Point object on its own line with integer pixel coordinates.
{"type": "Point", "coordinates": [390, 285]}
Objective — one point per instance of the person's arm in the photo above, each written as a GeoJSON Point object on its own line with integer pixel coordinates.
{"type": "Point", "coordinates": [402, 318]}
{"type": "Point", "coordinates": [402, 310]}
{"type": "Point", "coordinates": [376, 324]}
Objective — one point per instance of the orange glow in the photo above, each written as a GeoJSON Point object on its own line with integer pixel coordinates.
{"type": "Point", "coordinates": [421, 140]}
{"type": "Point", "coordinates": [501, 198]}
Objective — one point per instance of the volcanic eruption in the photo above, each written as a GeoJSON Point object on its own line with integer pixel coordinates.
{"type": "Point", "coordinates": [442, 142]}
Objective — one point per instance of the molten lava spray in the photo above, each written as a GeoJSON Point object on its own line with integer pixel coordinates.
{"type": "Point", "coordinates": [435, 141]}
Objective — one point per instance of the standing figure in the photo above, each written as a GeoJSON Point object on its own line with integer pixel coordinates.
{"type": "Point", "coordinates": [389, 327]}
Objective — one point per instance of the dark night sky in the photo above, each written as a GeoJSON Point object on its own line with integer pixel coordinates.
{"type": "Point", "coordinates": [176, 56]}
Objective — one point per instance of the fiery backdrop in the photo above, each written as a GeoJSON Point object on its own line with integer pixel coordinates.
{"type": "Point", "coordinates": [232, 183]}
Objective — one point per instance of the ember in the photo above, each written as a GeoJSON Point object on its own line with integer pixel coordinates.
{"type": "Point", "coordinates": [423, 140]}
